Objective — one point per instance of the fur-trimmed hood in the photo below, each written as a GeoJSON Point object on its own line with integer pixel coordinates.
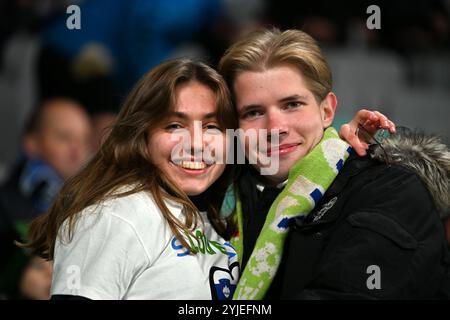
{"type": "Point", "coordinates": [427, 156]}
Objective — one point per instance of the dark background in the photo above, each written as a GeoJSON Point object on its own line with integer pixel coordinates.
{"type": "Point", "coordinates": [403, 69]}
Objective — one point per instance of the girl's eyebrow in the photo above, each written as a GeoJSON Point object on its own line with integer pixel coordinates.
{"type": "Point", "coordinates": [184, 116]}
{"type": "Point", "coordinates": [248, 107]}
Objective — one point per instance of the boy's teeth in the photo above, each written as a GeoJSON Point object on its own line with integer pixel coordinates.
{"type": "Point", "coordinates": [193, 165]}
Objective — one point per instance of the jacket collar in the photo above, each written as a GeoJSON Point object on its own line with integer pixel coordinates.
{"type": "Point", "coordinates": [323, 215]}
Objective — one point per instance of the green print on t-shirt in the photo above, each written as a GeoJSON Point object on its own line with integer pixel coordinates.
{"type": "Point", "coordinates": [199, 243]}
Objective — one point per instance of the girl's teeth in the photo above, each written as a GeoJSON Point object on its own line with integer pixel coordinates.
{"type": "Point", "coordinates": [193, 165]}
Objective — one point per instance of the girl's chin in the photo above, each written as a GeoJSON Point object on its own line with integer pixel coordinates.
{"type": "Point", "coordinates": [193, 193]}
{"type": "Point", "coordinates": [193, 187]}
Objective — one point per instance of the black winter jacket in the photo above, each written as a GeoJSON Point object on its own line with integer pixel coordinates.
{"type": "Point", "coordinates": [377, 232]}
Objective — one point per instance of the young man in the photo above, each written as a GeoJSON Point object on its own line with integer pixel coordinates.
{"type": "Point", "coordinates": [359, 228]}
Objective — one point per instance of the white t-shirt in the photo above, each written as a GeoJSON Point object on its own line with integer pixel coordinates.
{"type": "Point", "coordinates": [124, 249]}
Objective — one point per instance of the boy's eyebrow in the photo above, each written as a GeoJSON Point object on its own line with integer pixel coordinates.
{"type": "Point", "coordinates": [210, 115]}
{"type": "Point", "coordinates": [285, 99]}
{"type": "Point", "coordinates": [293, 97]}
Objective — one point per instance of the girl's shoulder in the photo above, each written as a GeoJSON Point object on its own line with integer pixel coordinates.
{"type": "Point", "coordinates": [131, 218]}
{"type": "Point", "coordinates": [135, 208]}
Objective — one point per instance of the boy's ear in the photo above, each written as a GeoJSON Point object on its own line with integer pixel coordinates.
{"type": "Point", "coordinates": [30, 145]}
{"type": "Point", "coordinates": [329, 105]}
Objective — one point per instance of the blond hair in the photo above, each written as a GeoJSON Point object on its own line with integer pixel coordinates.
{"type": "Point", "coordinates": [263, 49]}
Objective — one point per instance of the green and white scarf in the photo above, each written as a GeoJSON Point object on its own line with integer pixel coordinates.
{"type": "Point", "coordinates": [308, 180]}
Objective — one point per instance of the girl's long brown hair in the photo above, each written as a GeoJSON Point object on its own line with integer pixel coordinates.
{"type": "Point", "coordinates": [123, 159]}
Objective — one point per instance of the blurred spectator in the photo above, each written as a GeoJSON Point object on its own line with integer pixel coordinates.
{"type": "Point", "coordinates": [56, 144]}
{"type": "Point", "coordinates": [59, 134]}
{"type": "Point", "coordinates": [36, 279]}
{"type": "Point", "coordinates": [21, 276]}
{"type": "Point", "coordinates": [25, 277]}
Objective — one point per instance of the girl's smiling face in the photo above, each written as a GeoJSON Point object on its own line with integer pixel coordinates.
{"type": "Point", "coordinates": [177, 146]}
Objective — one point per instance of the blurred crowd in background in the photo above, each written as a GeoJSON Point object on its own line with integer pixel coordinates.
{"type": "Point", "coordinates": [61, 89]}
